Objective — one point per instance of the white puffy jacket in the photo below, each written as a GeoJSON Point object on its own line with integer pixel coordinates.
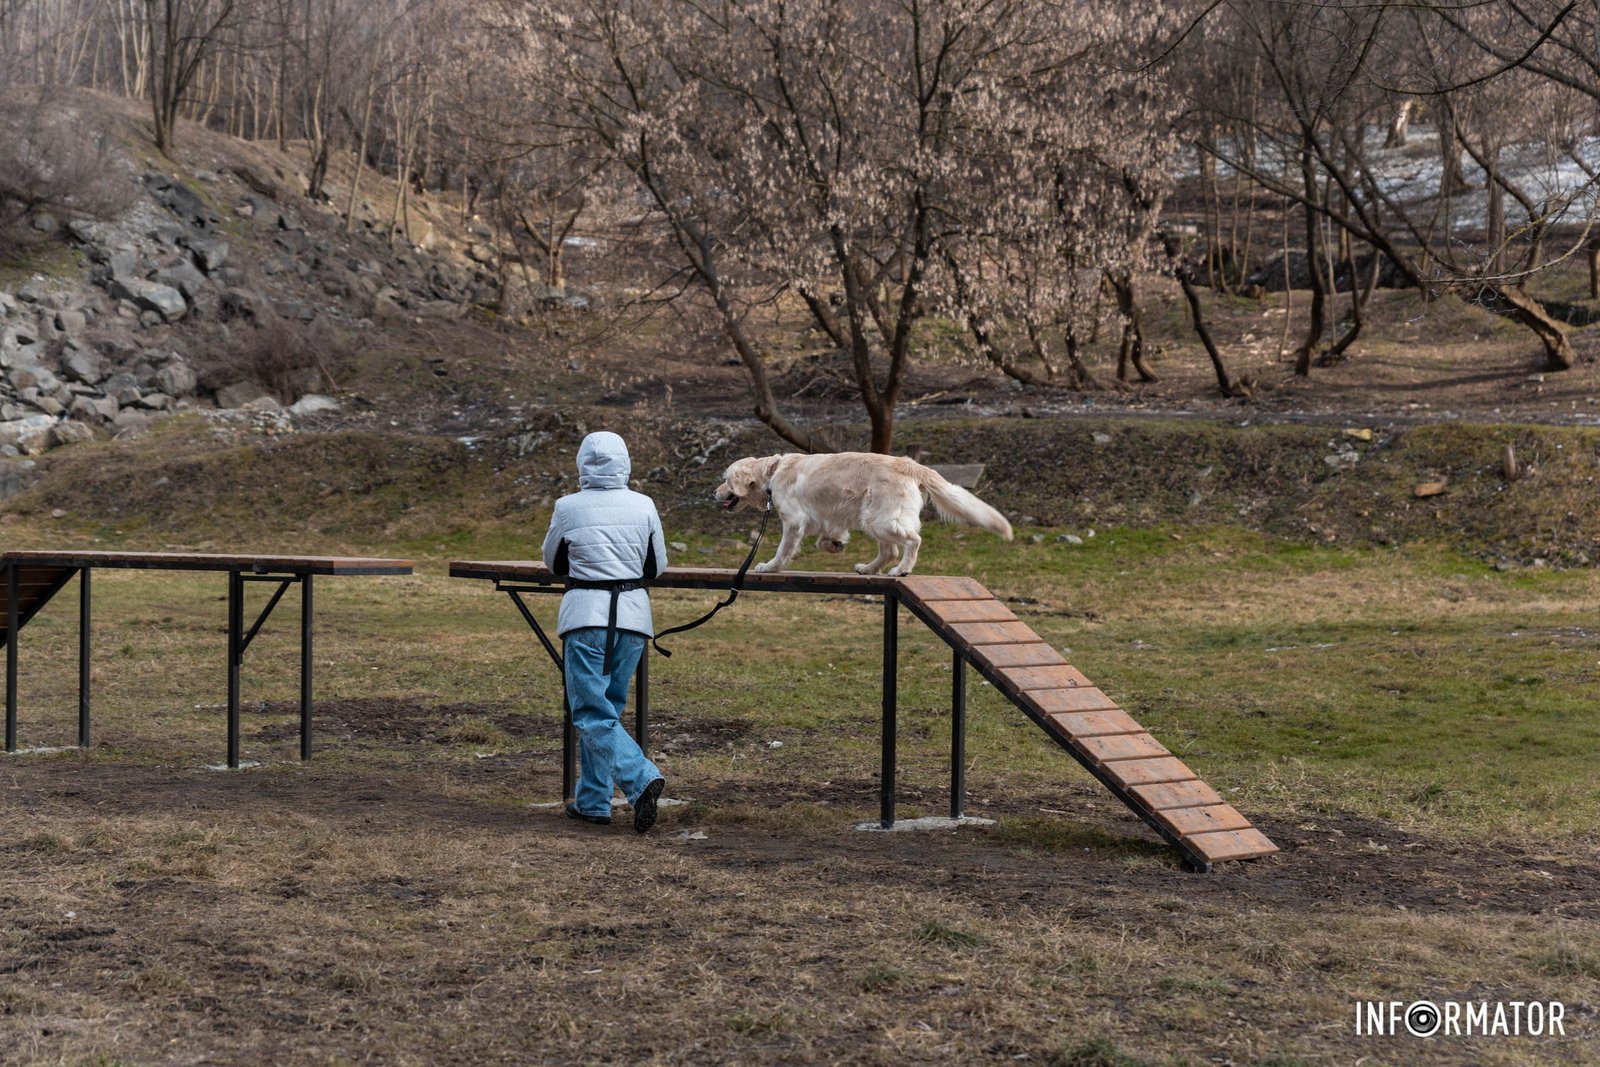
{"type": "Point", "coordinates": [605, 532]}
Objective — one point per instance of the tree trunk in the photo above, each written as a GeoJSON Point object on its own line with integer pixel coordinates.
{"type": "Point", "coordinates": [1517, 305]}
{"type": "Point", "coordinates": [1132, 350]}
{"type": "Point", "coordinates": [1400, 125]}
{"type": "Point", "coordinates": [1592, 248]}
{"type": "Point", "coordinates": [1319, 295]}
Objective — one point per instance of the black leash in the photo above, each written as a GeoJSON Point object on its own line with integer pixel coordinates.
{"type": "Point", "coordinates": [733, 591]}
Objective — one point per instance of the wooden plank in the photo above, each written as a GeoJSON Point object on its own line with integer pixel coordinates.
{"type": "Point", "coordinates": [1147, 771]}
{"type": "Point", "coordinates": [1167, 795]}
{"type": "Point", "coordinates": [1009, 657]}
{"type": "Point", "coordinates": [932, 588]}
{"type": "Point", "coordinates": [1083, 698]}
{"type": "Point", "coordinates": [1231, 845]}
{"type": "Point", "coordinates": [1121, 747]}
{"type": "Point", "coordinates": [992, 633]}
{"type": "Point", "coordinates": [1092, 723]}
{"type": "Point", "coordinates": [954, 611]}
{"type": "Point", "coordinates": [1203, 820]}
{"type": "Point", "coordinates": [259, 562]}
{"type": "Point", "coordinates": [1027, 679]}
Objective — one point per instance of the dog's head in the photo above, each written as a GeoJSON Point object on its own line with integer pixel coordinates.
{"type": "Point", "coordinates": [744, 483]}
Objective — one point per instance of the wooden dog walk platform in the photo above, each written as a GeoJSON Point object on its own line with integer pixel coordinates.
{"type": "Point", "coordinates": [28, 581]}
{"type": "Point", "coordinates": [1122, 755]}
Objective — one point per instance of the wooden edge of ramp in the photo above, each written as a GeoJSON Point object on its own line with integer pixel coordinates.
{"type": "Point", "coordinates": [1122, 755]}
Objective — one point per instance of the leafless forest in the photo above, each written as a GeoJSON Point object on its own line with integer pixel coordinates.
{"type": "Point", "coordinates": [1013, 168]}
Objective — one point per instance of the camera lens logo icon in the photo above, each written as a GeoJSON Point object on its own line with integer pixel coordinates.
{"type": "Point", "coordinates": [1422, 1019]}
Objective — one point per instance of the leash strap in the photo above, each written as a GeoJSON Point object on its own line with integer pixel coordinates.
{"type": "Point", "coordinates": [616, 587]}
{"type": "Point", "coordinates": [733, 591]}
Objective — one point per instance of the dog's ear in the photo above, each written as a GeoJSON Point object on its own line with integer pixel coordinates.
{"type": "Point", "coordinates": [772, 468]}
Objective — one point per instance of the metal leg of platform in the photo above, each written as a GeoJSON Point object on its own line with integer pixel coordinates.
{"type": "Point", "coordinates": [958, 734]}
{"type": "Point", "coordinates": [891, 657]}
{"type": "Point", "coordinates": [84, 633]}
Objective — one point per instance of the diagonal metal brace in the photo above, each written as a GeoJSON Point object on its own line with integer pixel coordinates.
{"type": "Point", "coordinates": [515, 593]}
{"type": "Point", "coordinates": [283, 587]}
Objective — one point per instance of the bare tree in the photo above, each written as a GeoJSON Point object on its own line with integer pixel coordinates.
{"type": "Point", "coordinates": [182, 33]}
{"type": "Point", "coordinates": [876, 162]}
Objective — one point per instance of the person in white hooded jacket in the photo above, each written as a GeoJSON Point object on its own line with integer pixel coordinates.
{"type": "Point", "coordinates": [606, 540]}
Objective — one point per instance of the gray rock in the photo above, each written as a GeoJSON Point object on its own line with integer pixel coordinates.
{"type": "Point", "coordinates": [116, 348]}
{"type": "Point", "coordinates": [30, 293]}
{"type": "Point", "coordinates": [70, 432]}
{"type": "Point", "coordinates": [16, 477]}
{"type": "Point", "coordinates": [150, 319]}
{"type": "Point", "coordinates": [295, 309]}
{"type": "Point", "coordinates": [130, 420]}
{"type": "Point", "coordinates": [314, 404]}
{"type": "Point", "coordinates": [177, 378]}
{"type": "Point", "coordinates": [244, 304]}
{"type": "Point", "coordinates": [122, 388]}
{"type": "Point", "coordinates": [183, 202]}
{"type": "Point", "coordinates": [167, 233]}
{"type": "Point", "coordinates": [239, 394]}
{"type": "Point", "coordinates": [164, 300]}
{"type": "Point", "coordinates": [49, 405]}
{"type": "Point", "coordinates": [260, 210]}
{"type": "Point", "coordinates": [294, 242]}
{"type": "Point", "coordinates": [156, 402]}
{"type": "Point", "coordinates": [182, 276]}
{"type": "Point", "coordinates": [262, 404]}
{"type": "Point", "coordinates": [45, 223]}
{"type": "Point", "coordinates": [272, 265]}
{"type": "Point", "coordinates": [30, 435]}
{"type": "Point", "coordinates": [48, 334]}
{"type": "Point", "coordinates": [83, 366]}
{"type": "Point", "coordinates": [123, 264]}
{"type": "Point", "coordinates": [34, 377]}
{"type": "Point", "coordinates": [71, 321]}
{"type": "Point", "coordinates": [210, 253]}
{"type": "Point", "coordinates": [10, 411]}
{"type": "Point", "coordinates": [93, 409]}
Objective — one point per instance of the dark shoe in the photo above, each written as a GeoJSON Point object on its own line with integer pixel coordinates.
{"type": "Point", "coordinates": [644, 809]}
{"type": "Point", "coordinates": [598, 820]}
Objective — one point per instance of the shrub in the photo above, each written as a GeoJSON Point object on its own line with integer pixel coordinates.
{"type": "Point", "coordinates": [53, 163]}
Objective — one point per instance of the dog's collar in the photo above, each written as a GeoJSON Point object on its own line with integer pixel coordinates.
{"type": "Point", "coordinates": [768, 506]}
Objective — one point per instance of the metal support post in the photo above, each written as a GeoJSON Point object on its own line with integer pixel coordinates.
{"type": "Point", "coordinates": [641, 703]}
{"type": "Point", "coordinates": [11, 657]}
{"type": "Point", "coordinates": [958, 734]}
{"type": "Point", "coordinates": [569, 746]}
{"type": "Point", "coordinates": [235, 659]}
{"type": "Point", "coordinates": [83, 656]}
{"type": "Point", "coordinates": [305, 666]}
{"type": "Point", "coordinates": [891, 656]}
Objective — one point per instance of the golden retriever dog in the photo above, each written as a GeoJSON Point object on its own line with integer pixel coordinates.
{"type": "Point", "coordinates": [831, 494]}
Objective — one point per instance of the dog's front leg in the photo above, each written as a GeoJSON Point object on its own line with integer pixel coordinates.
{"type": "Point", "coordinates": [788, 545]}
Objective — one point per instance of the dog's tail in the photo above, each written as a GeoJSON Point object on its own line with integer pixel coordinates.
{"type": "Point", "coordinates": [955, 504]}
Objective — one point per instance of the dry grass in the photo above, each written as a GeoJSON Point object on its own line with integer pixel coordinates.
{"type": "Point", "coordinates": [398, 899]}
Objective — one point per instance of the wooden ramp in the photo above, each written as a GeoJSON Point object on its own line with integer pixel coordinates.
{"type": "Point", "coordinates": [36, 584]}
{"type": "Point", "coordinates": [1080, 718]}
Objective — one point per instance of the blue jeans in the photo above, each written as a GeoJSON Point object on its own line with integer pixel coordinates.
{"type": "Point", "coordinates": [608, 754]}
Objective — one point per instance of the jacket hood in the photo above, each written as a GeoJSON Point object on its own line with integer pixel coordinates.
{"type": "Point", "coordinates": [603, 462]}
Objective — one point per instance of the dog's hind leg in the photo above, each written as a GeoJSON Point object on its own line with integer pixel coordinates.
{"type": "Point", "coordinates": [908, 556]}
{"type": "Point", "coordinates": [876, 564]}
